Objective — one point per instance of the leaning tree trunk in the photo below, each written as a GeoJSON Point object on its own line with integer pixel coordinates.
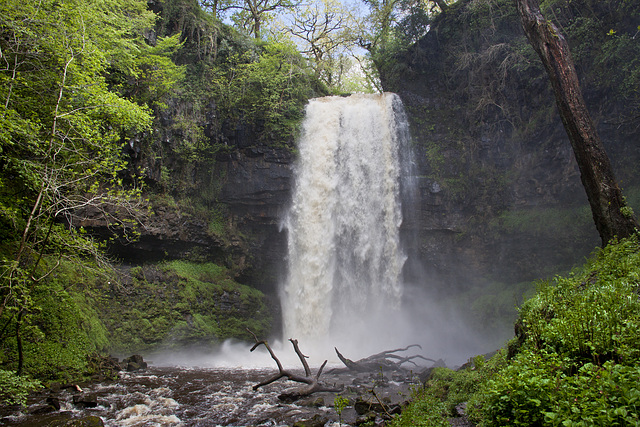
{"type": "Point", "coordinates": [596, 174]}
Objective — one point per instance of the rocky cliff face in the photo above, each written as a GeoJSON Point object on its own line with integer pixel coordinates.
{"type": "Point", "coordinates": [223, 207]}
{"type": "Point", "coordinates": [257, 191]}
{"type": "Point", "coordinates": [501, 196]}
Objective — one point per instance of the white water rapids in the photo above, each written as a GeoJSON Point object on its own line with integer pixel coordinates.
{"type": "Point", "coordinates": [344, 283]}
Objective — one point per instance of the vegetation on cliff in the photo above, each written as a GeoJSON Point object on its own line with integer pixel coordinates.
{"type": "Point", "coordinates": [179, 304]}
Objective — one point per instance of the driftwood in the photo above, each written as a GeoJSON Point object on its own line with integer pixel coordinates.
{"type": "Point", "coordinates": [313, 384]}
{"type": "Point", "coordinates": [386, 360]}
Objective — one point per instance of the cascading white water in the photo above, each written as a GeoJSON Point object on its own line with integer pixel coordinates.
{"type": "Point", "coordinates": [345, 257]}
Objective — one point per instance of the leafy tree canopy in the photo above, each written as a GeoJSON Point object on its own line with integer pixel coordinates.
{"type": "Point", "coordinates": [62, 124]}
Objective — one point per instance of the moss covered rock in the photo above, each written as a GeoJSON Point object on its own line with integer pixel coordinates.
{"type": "Point", "coordinates": [176, 304]}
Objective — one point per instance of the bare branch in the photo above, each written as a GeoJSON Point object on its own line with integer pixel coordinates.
{"type": "Point", "coordinates": [313, 384]}
{"type": "Point", "coordinates": [382, 360]}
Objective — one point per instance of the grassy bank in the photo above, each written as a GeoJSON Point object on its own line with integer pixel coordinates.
{"type": "Point", "coordinates": [575, 359]}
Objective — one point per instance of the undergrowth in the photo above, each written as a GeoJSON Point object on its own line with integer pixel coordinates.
{"type": "Point", "coordinates": [575, 360]}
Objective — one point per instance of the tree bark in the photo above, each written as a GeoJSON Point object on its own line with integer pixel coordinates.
{"type": "Point", "coordinates": [313, 384]}
{"type": "Point", "coordinates": [20, 368]}
{"type": "Point", "coordinates": [386, 360]}
{"type": "Point", "coordinates": [441, 4]}
{"type": "Point", "coordinates": [605, 198]}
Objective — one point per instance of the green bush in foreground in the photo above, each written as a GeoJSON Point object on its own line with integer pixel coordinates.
{"type": "Point", "coordinates": [575, 360]}
{"type": "Point", "coordinates": [577, 353]}
{"type": "Point", "coordinates": [426, 410]}
{"type": "Point", "coordinates": [14, 389]}
{"type": "Point", "coordinates": [445, 390]}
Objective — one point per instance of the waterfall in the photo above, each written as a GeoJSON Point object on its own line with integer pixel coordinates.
{"type": "Point", "coordinates": [345, 257]}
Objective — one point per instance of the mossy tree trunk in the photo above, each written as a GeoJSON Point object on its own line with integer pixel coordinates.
{"type": "Point", "coordinates": [608, 207]}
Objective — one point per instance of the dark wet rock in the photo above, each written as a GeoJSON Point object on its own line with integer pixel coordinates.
{"type": "Point", "coordinates": [62, 419]}
{"type": "Point", "coordinates": [90, 421]}
{"type": "Point", "coordinates": [312, 402]}
{"type": "Point", "coordinates": [461, 420]}
{"type": "Point", "coordinates": [85, 400]}
{"type": "Point", "coordinates": [315, 421]}
{"type": "Point", "coordinates": [365, 406]}
{"type": "Point", "coordinates": [132, 367]}
{"type": "Point", "coordinates": [369, 419]}
{"type": "Point", "coordinates": [72, 387]}
{"type": "Point", "coordinates": [42, 409]}
{"type": "Point", "coordinates": [133, 363]}
{"type": "Point", "coordinates": [54, 402]}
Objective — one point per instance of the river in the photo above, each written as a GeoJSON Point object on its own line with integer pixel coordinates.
{"type": "Point", "coordinates": [193, 396]}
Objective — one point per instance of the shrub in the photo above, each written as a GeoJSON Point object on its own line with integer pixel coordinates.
{"type": "Point", "coordinates": [426, 410]}
{"type": "Point", "coordinates": [576, 362]}
{"type": "Point", "coordinates": [14, 389]}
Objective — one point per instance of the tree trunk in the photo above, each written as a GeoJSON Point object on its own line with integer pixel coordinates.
{"type": "Point", "coordinates": [605, 197]}
{"type": "Point", "coordinates": [20, 367]}
{"type": "Point", "coordinates": [313, 383]}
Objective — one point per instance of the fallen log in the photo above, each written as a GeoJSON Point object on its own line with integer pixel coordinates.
{"type": "Point", "coordinates": [386, 360]}
{"type": "Point", "coordinates": [313, 383]}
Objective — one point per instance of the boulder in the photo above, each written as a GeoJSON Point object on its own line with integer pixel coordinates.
{"type": "Point", "coordinates": [133, 363]}
{"type": "Point", "coordinates": [85, 400]}
{"type": "Point", "coordinates": [54, 402]}
{"type": "Point", "coordinates": [316, 421]}
{"type": "Point", "coordinates": [90, 421]}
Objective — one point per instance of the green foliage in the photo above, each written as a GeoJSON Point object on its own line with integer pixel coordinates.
{"type": "Point", "coordinates": [61, 327]}
{"type": "Point", "coordinates": [446, 389]}
{"type": "Point", "coordinates": [152, 75]}
{"type": "Point", "coordinates": [14, 389]}
{"type": "Point", "coordinates": [271, 90]}
{"type": "Point", "coordinates": [575, 360]}
{"type": "Point", "coordinates": [426, 410]}
{"type": "Point", "coordinates": [181, 303]}
{"type": "Point", "coordinates": [217, 225]}
{"type": "Point", "coordinates": [339, 403]}
{"type": "Point", "coordinates": [78, 80]}
{"type": "Point", "coordinates": [591, 315]}
{"type": "Point", "coordinates": [543, 389]}
{"type": "Point", "coordinates": [577, 354]}
{"type": "Point", "coordinates": [236, 92]}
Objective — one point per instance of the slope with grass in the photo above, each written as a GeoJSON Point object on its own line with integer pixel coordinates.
{"type": "Point", "coordinates": [575, 359]}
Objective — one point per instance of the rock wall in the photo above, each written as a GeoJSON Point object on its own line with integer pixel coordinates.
{"type": "Point", "coordinates": [500, 191]}
{"type": "Point", "coordinates": [223, 206]}
{"type": "Point", "coordinates": [257, 191]}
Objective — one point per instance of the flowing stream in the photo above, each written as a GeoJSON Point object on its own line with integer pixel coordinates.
{"type": "Point", "coordinates": [345, 261]}
{"type": "Point", "coordinates": [203, 397]}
